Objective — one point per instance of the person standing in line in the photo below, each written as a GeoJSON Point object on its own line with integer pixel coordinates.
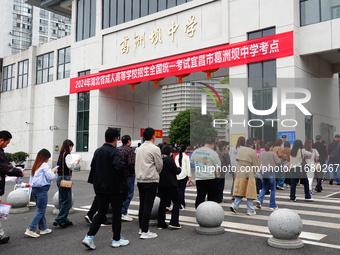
{"type": "Point", "coordinates": [280, 175]}
{"type": "Point", "coordinates": [40, 181]}
{"type": "Point", "coordinates": [241, 141]}
{"type": "Point", "coordinates": [297, 154]}
{"type": "Point", "coordinates": [244, 185]}
{"type": "Point", "coordinates": [311, 163]}
{"type": "Point", "coordinates": [66, 164]}
{"type": "Point", "coordinates": [6, 169]}
{"type": "Point", "coordinates": [149, 164]}
{"type": "Point", "coordinates": [207, 163]}
{"type": "Point", "coordinates": [286, 151]}
{"type": "Point", "coordinates": [183, 161]}
{"type": "Point", "coordinates": [225, 163]}
{"type": "Point", "coordinates": [268, 161]}
{"type": "Point", "coordinates": [168, 190]}
{"type": "Point", "coordinates": [108, 179]}
{"type": "Point", "coordinates": [321, 148]}
{"type": "Point", "coordinates": [129, 157]}
{"type": "Point", "coordinates": [333, 158]}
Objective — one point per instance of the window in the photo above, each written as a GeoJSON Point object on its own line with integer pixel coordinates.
{"type": "Point", "coordinates": [262, 78]}
{"type": "Point", "coordinates": [116, 11]}
{"type": "Point", "coordinates": [83, 117]}
{"type": "Point", "coordinates": [86, 19]}
{"type": "Point", "coordinates": [22, 74]}
{"type": "Point", "coordinates": [8, 78]}
{"type": "Point", "coordinates": [315, 11]}
{"type": "Point", "coordinates": [64, 63]}
{"type": "Point", "coordinates": [45, 68]}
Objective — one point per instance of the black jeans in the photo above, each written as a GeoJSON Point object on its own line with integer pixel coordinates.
{"type": "Point", "coordinates": [147, 194]}
{"type": "Point", "coordinates": [182, 184]}
{"type": "Point", "coordinates": [166, 195]}
{"type": "Point", "coordinates": [103, 202]}
{"type": "Point", "coordinates": [204, 188]}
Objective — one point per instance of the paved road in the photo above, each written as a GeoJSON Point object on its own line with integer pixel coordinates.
{"type": "Point", "coordinates": [244, 234]}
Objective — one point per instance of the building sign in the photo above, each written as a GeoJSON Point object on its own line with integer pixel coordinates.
{"type": "Point", "coordinates": [255, 50]}
{"type": "Point", "coordinates": [158, 133]}
{"type": "Point", "coordinates": [290, 135]}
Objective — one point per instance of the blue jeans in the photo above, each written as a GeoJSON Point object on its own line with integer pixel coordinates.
{"type": "Point", "coordinates": [271, 182]}
{"type": "Point", "coordinates": [131, 188]}
{"type": "Point", "coordinates": [280, 176]}
{"type": "Point", "coordinates": [41, 197]}
{"type": "Point", "coordinates": [65, 201]}
{"type": "Point", "coordinates": [250, 204]}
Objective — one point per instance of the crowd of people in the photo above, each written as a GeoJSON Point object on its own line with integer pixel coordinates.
{"type": "Point", "coordinates": [256, 169]}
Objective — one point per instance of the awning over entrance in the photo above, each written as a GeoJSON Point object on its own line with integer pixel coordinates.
{"type": "Point", "coordinates": [206, 60]}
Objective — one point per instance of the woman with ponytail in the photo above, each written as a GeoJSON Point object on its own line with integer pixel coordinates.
{"type": "Point", "coordinates": [40, 181]}
{"type": "Point", "coordinates": [183, 161]}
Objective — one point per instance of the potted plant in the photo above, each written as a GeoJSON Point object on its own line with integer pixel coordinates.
{"type": "Point", "coordinates": [19, 158]}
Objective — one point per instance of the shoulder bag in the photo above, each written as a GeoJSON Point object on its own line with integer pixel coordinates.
{"type": "Point", "coordinates": [65, 183]}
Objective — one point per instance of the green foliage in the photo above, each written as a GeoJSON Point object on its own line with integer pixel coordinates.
{"type": "Point", "coordinates": [9, 156]}
{"type": "Point", "coordinates": [180, 128]}
{"type": "Point", "coordinates": [19, 157]}
{"type": "Point", "coordinates": [224, 108]}
{"type": "Point", "coordinates": [191, 127]}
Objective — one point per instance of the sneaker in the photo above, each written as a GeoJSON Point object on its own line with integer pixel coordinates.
{"type": "Point", "coordinates": [273, 208]}
{"type": "Point", "coordinates": [31, 233]}
{"type": "Point", "coordinates": [251, 213]}
{"type": "Point", "coordinates": [121, 242]}
{"type": "Point", "coordinates": [88, 242]}
{"type": "Point", "coordinates": [139, 232]}
{"type": "Point", "coordinates": [148, 235]}
{"type": "Point", "coordinates": [4, 239]}
{"type": "Point", "coordinates": [162, 227]}
{"type": "Point", "coordinates": [175, 226]}
{"type": "Point", "coordinates": [126, 218]}
{"type": "Point", "coordinates": [280, 188]}
{"type": "Point", "coordinates": [46, 231]}
{"type": "Point", "coordinates": [258, 204]}
{"type": "Point", "coordinates": [182, 207]}
{"type": "Point", "coordinates": [88, 219]}
{"type": "Point", "coordinates": [232, 208]}
{"type": "Point", "coordinates": [309, 199]}
{"type": "Point", "coordinates": [293, 200]}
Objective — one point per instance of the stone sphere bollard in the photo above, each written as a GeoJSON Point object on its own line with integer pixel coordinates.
{"type": "Point", "coordinates": [154, 212]}
{"type": "Point", "coordinates": [19, 200]}
{"type": "Point", "coordinates": [209, 216]}
{"type": "Point", "coordinates": [285, 225]}
{"type": "Point", "coordinates": [56, 203]}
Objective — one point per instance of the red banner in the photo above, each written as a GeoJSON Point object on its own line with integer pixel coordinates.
{"type": "Point", "coordinates": [255, 50]}
{"type": "Point", "coordinates": [158, 133]}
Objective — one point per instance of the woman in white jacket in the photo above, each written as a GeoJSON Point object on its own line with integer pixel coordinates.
{"type": "Point", "coordinates": [183, 161]}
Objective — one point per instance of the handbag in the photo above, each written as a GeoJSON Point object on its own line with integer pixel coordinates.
{"type": "Point", "coordinates": [65, 183]}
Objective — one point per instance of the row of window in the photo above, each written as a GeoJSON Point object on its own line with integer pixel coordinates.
{"type": "Point", "coordinates": [315, 11]}
{"type": "Point", "coordinates": [44, 70]}
{"type": "Point", "coordinates": [116, 12]}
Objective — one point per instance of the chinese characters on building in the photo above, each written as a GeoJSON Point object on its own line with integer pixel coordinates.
{"type": "Point", "coordinates": [157, 34]}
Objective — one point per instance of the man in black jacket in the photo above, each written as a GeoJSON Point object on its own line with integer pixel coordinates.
{"type": "Point", "coordinates": [6, 168]}
{"type": "Point", "coordinates": [108, 179]}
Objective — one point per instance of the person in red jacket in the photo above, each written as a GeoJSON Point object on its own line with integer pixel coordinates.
{"type": "Point", "coordinates": [6, 168]}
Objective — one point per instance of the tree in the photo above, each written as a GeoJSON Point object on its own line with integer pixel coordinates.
{"type": "Point", "coordinates": [191, 127]}
{"type": "Point", "coordinates": [224, 108]}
